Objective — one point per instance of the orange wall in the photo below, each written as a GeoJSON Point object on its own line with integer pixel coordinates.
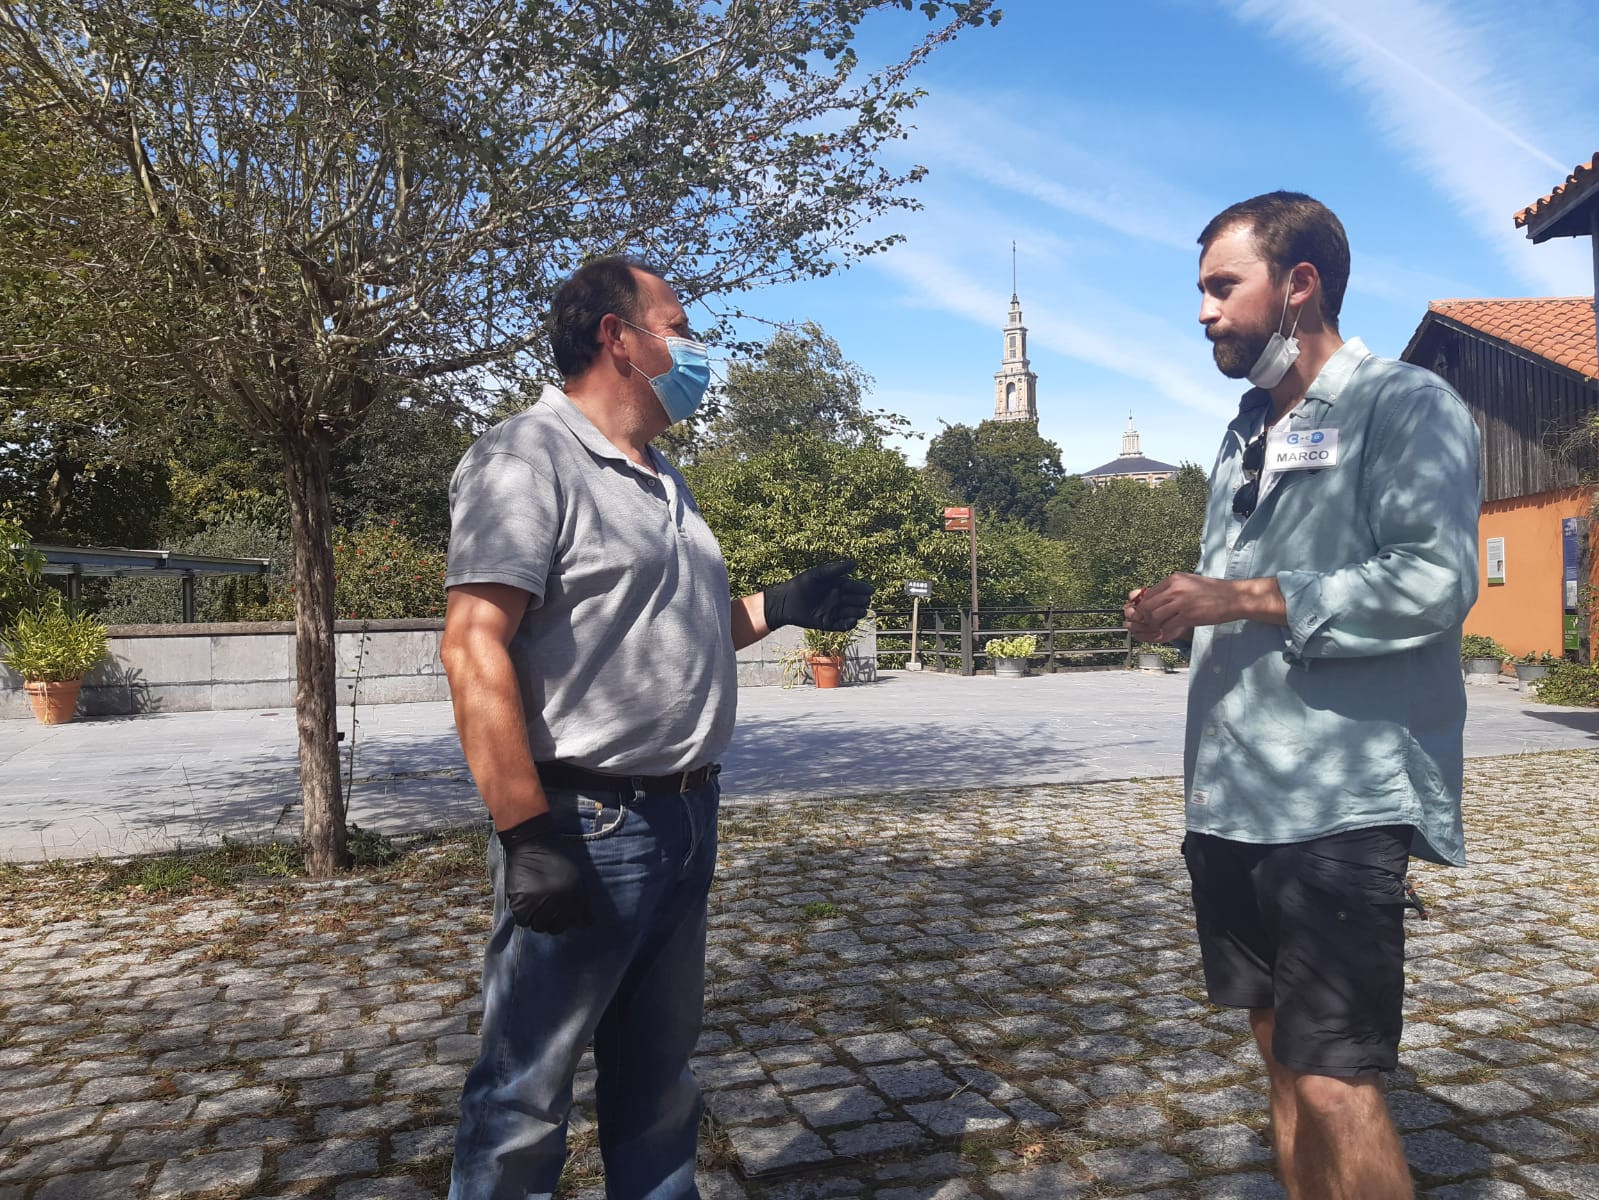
{"type": "Point", "coordinates": [1524, 612]}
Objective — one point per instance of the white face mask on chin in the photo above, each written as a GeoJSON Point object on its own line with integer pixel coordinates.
{"type": "Point", "coordinates": [1280, 352]}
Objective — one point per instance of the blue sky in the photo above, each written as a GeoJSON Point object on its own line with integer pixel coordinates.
{"type": "Point", "coordinates": [1101, 137]}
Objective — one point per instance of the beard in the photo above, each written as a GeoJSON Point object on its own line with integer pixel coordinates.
{"type": "Point", "coordinates": [1237, 353]}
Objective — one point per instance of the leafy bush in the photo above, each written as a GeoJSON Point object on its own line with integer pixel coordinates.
{"type": "Point", "coordinates": [1480, 645]}
{"type": "Point", "coordinates": [379, 573]}
{"type": "Point", "coordinates": [1022, 646]}
{"type": "Point", "coordinates": [52, 644]}
{"type": "Point", "coordinates": [20, 567]}
{"type": "Point", "coordinates": [144, 600]}
{"type": "Point", "coordinates": [1569, 683]}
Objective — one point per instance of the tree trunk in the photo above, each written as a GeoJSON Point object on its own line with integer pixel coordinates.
{"type": "Point", "coordinates": [305, 461]}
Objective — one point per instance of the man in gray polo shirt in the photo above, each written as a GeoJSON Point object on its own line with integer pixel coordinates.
{"type": "Point", "coordinates": [589, 641]}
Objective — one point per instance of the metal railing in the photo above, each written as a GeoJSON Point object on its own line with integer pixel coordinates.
{"type": "Point", "coordinates": [1068, 638]}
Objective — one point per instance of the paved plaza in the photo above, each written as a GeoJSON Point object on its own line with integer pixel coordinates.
{"type": "Point", "coordinates": [939, 991]}
{"type": "Point", "coordinates": [125, 785]}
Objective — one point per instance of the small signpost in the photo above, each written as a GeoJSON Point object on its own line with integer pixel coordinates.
{"type": "Point", "coordinates": [965, 517]}
{"type": "Point", "coordinates": [918, 590]}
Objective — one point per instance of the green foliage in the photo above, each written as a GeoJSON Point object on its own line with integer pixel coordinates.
{"type": "Point", "coordinates": [379, 573]}
{"type": "Point", "coordinates": [1021, 646]}
{"type": "Point", "coordinates": [21, 582]}
{"type": "Point", "coordinates": [805, 500]}
{"type": "Point", "coordinates": [369, 848]}
{"type": "Point", "coordinates": [799, 382]}
{"type": "Point", "coordinates": [1170, 656]}
{"type": "Point", "coordinates": [1126, 535]}
{"type": "Point", "coordinates": [1004, 468]}
{"type": "Point", "coordinates": [142, 600]}
{"type": "Point", "coordinates": [1569, 683]}
{"type": "Point", "coordinates": [1536, 658]}
{"type": "Point", "coordinates": [1480, 645]}
{"type": "Point", "coordinates": [1062, 508]}
{"type": "Point", "coordinates": [829, 643]}
{"type": "Point", "coordinates": [398, 467]}
{"type": "Point", "coordinates": [816, 643]}
{"type": "Point", "coordinates": [52, 644]}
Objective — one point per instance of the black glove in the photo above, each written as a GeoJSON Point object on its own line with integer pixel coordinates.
{"type": "Point", "coordinates": [823, 597]}
{"type": "Point", "coordinates": [543, 886]}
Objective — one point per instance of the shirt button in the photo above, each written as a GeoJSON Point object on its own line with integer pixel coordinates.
{"type": "Point", "coordinates": [1210, 731]}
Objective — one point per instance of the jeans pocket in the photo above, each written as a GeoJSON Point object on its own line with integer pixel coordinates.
{"type": "Point", "coordinates": [586, 816]}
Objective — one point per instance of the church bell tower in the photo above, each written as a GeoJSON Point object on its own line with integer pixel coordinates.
{"type": "Point", "coordinates": [1015, 386]}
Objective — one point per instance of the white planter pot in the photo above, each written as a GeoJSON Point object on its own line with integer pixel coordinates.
{"type": "Point", "coordinates": [1151, 662]}
{"type": "Point", "coordinates": [1010, 668]}
{"type": "Point", "coordinates": [1482, 671]}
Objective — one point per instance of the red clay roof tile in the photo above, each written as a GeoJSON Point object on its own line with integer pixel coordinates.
{"type": "Point", "coordinates": [1560, 330]}
{"type": "Point", "coordinates": [1539, 207]}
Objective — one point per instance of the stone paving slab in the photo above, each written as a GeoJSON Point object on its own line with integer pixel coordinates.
{"type": "Point", "coordinates": [959, 995]}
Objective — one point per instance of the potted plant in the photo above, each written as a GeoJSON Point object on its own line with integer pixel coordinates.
{"type": "Point", "coordinates": [53, 648]}
{"type": "Point", "coordinates": [1010, 655]}
{"type": "Point", "coordinates": [820, 654]}
{"type": "Point", "coordinates": [1157, 658]}
{"type": "Point", "coordinates": [1482, 656]}
{"type": "Point", "coordinates": [1532, 666]}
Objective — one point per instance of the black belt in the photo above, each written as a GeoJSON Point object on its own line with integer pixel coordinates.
{"type": "Point", "coordinates": [559, 774]}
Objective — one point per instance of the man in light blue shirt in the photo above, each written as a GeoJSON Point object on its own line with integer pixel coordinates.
{"type": "Point", "coordinates": [1326, 703]}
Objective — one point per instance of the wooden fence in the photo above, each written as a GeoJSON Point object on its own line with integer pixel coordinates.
{"type": "Point", "coordinates": [949, 640]}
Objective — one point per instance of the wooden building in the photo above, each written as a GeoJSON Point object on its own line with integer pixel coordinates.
{"type": "Point", "coordinates": [1529, 372]}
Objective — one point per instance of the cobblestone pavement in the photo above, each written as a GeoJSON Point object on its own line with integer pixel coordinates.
{"type": "Point", "coordinates": [989, 995]}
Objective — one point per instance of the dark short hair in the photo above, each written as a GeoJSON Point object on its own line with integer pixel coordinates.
{"type": "Point", "coordinates": [1291, 228]}
{"type": "Point", "coordinates": [597, 288]}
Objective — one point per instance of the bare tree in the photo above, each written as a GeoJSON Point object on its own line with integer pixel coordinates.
{"type": "Point", "coordinates": [342, 197]}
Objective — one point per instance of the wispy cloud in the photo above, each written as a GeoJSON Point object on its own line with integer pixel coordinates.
{"type": "Point", "coordinates": [1149, 358]}
{"type": "Point", "coordinates": [958, 132]}
{"type": "Point", "coordinates": [1443, 90]}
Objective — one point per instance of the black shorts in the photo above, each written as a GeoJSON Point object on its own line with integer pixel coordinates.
{"type": "Point", "coordinates": [1314, 930]}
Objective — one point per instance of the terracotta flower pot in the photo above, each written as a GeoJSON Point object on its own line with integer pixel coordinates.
{"type": "Point", "coordinates": [826, 670]}
{"type": "Point", "coordinates": [53, 703]}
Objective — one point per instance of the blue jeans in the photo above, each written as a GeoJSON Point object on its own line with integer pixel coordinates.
{"type": "Point", "coordinates": [633, 983]}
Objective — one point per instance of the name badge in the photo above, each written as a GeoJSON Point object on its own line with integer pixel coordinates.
{"type": "Point", "coordinates": [1301, 449]}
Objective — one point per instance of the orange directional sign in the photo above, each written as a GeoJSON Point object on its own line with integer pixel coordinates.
{"type": "Point", "coordinates": [957, 518]}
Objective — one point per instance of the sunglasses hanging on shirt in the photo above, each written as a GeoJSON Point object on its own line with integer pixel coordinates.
{"type": "Point", "coordinates": [1247, 496]}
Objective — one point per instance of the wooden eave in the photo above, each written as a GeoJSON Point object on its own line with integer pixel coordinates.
{"type": "Point", "coordinates": [1439, 319]}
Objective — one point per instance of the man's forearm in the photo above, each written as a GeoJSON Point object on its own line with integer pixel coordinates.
{"type": "Point", "coordinates": [493, 732]}
{"type": "Point", "coordinates": [1260, 600]}
{"type": "Point", "coordinates": [749, 620]}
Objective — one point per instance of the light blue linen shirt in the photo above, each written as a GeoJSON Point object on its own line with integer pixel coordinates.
{"type": "Point", "coordinates": [1350, 716]}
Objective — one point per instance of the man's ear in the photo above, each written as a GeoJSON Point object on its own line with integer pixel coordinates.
{"type": "Point", "coordinates": [608, 337]}
{"type": "Point", "coordinates": [1304, 286]}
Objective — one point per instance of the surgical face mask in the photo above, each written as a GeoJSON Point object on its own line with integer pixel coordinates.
{"type": "Point", "coordinates": [681, 387]}
{"type": "Point", "coordinates": [1280, 352]}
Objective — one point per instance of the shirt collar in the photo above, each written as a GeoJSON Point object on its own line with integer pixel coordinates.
{"type": "Point", "coordinates": [1325, 389]}
{"type": "Point", "coordinates": [583, 429]}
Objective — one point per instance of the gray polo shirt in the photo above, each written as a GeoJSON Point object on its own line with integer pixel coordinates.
{"type": "Point", "coordinates": [625, 655]}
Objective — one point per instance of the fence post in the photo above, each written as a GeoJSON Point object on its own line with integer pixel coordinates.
{"type": "Point", "coordinates": [966, 642]}
{"type": "Point", "coordinates": [1049, 637]}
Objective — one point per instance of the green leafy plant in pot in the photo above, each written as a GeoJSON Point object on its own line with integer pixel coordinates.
{"type": "Point", "coordinates": [53, 648]}
{"type": "Point", "coordinates": [821, 654]}
{"type": "Point", "coordinates": [1533, 665]}
{"type": "Point", "coordinates": [1010, 655]}
{"type": "Point", "coordinates": [1480, 655]}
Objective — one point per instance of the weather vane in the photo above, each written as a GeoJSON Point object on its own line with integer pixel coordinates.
{"type": "Point", "coordinates": [1013, 268]}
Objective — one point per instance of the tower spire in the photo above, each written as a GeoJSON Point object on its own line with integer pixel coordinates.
{"type": "Point", "coordinates": [1015, 385]}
